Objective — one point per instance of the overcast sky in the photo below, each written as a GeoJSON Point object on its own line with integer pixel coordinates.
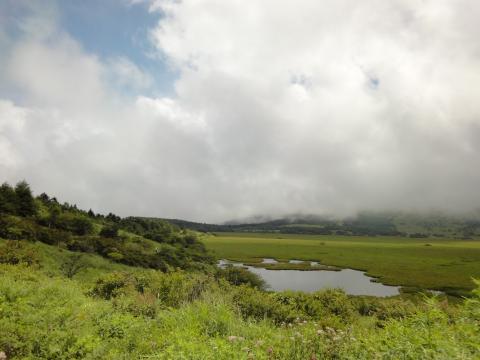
{"type": "Point", "coordinates": [214, 110]}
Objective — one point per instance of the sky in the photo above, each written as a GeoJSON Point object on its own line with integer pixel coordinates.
{"type": "Point", "coordinates": [217, 110]}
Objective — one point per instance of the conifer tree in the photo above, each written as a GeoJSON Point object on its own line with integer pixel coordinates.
{"type": "Point", "coordinates": [8, 199]}
{"type": "Point", "coordinates": [25, 201]}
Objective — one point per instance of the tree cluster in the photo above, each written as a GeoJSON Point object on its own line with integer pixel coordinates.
{"type": "Point", "coordinates": [17, 200]}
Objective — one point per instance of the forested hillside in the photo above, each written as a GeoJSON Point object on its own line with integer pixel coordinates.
{"type": "Point", "coordinates": [402, 224]}
{"type": "Point", "coordinates": [130, 241]}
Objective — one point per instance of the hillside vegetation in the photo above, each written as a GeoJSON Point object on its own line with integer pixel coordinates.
{"type": "Point", "coordinates": [400, 224]}
{"type": "Point", "coordinates": [79, 285]}
{"type": "Point", "coordinates": [130, 241]}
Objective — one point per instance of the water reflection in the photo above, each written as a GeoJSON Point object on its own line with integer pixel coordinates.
{"type": "Point", "coordinates": [353, 282]}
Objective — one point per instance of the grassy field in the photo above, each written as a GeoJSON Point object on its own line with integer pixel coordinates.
{"type": "Point", "coordinates": [441, 264]}
{"type": "Point", "coordinates": [111, 311]}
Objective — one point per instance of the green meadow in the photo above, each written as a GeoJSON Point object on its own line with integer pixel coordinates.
{"type": "Point", "coordinates": [430, 263]}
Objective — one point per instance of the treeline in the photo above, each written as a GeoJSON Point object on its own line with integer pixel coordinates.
{"type": "Point", "coordinates": [370, 225]}
{"type": "Point", "coordinates": [364, 224]}
{"type": "Point", "coordinates": [131, 241]}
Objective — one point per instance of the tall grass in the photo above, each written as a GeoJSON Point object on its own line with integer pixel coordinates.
{"type": "Point", "coordinates": [131, 313]}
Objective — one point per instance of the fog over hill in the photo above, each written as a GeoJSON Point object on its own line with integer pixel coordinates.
{"type": "Point", "coordinates": [403, 224]}
{"type": "Point", "coordinates": [314, 107]}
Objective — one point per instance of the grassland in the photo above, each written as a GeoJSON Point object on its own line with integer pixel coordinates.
{"type": "Point", "coordinates": [434, 263]}
{"type": "Point", "coordinates": [113, 311]}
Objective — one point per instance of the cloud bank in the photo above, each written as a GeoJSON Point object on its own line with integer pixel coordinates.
{"type": "Point", "coordinates": [300, 107]}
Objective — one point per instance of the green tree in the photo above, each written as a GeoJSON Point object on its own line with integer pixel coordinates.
{"type": "Point", "coordinates": [55, 212]}
{"type": "Point", "coordinates": [44, 197]}
{"type": "Point", "coordinates": [75, 223]}
{"type": "Point", "coordinates": [109, 231]}
{"type": "Point", "coordinates": [72, 265]}
{"type": "Point", "coordinates": [241, 276]}
{"type": "Point", "coordinates": [25, 201]}
{"type": "Point", "coordinates": [81, 226]}
{"type": "Point", "coordinates": [8, 199]}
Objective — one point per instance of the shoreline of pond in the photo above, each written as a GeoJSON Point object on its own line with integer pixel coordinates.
{"type": "Point", "coordinates": [353, 282]}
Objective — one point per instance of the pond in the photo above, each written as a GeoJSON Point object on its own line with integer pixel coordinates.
{"type": "Point", "coordinates": [353, 282]}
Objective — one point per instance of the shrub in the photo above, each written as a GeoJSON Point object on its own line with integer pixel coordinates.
{"type": "Point", "coordinates": [75, 223]}
{"type": "Point", "coordinates": [52, 236]}
{"type": "Point", "coordinates": [112, 285]}
{"type": "Point", "coordinates": [72, 265]}
{"type": "Point", "coordinates": [86, 244]}
{"type": "Point", "coordinates": [384, 309]}
{"type": "Point", "coordinates": [261, 305]}
{"type": "Point", "coordinates": [109, 231]}
{"type": "Point", "coordinates": [335, 302]}
{"type": "Point", "coordinates": [236, 275]}
{"type": "Point", "coordinates": [170, 289]}
{"type": "Point", "coordinates": [16, 252]}
{"type": "Point", "coordinates": [16, 228]}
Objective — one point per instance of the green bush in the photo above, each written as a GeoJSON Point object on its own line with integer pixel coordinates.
{"type": "Point", "coordinates": [75, 223]}
{"type": "Point", "coordinates": [53, 236]}
{"type": "Point", "coordinates": [109, 231]}
{"type": "Point", "coordinates": [112, 285]}
{"type": "Point", "coordinates": [17, 252]}
{"type": "Point", "coordinates": [261, 305]}
{"type": "Point", "coordinates": [170, 289]}
{"type": "Point", "coordinates": [72, 265]}
{"type": "Point", "coordinates": [236, 275]}
{"type": "Point", "coordinates": [17, 228]}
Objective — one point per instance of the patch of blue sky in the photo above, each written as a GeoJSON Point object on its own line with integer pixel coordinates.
{"type": "Point", "coordinates": [114, 28]}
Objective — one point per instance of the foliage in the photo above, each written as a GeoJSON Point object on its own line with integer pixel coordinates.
{"type": "Point", "coordinates": [74, 223]}
{"type": "Point", "coordinates": [25, 202]}
{"type": "Point", "coordinates": [52, 236]}
{"type": "Point", "coordinates": [8, 199]}
{"type": "Point", "coordinates": [16, 252]}
{"type": "Point", "coordinates": [15, 228]}
{"type": "Point", "coordinates": [109, 231]}
{"type": "Point", "coordinates": [236, 275]}
{"type": "Point", "coordinates": [429, 224]}
{"type": "Point", "coordinates": [72, 265]}
{"type": "Point", "coordinates": [154, 229]}
{"type": "Point", "coordinates": [17, 201]}
{"type": "Point", "coordinates": [139, 313]}
{"type": "Point", "coordinates": [158, 245]}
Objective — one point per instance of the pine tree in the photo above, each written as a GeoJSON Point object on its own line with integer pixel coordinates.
{"type": "Point", "coordinates": [8, 199]}
{"type": "Point", "coordinates": [25, 201]}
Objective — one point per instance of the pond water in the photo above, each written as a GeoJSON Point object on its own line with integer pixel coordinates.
{"type": "Point", "coordinates": [269, 261]}
{"type": "Point", "coordinates": [353, 282]}
{"type": "Point", "coordinates": [295, 261]}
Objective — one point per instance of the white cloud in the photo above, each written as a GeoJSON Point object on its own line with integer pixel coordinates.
{"type": "Point", "coordinates": [125, 74]}
{"type": "Point", "coordinates": [12, 120]}
{"type": "Point", "coordinates": [280, 108]}
{"type": "Point", "coordinates": [56, 74]}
